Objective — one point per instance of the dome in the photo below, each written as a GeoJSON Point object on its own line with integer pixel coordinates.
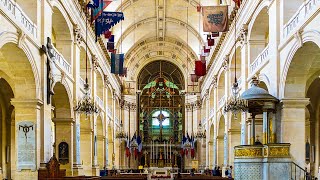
{"type": "Point", "coordinates": [257, 93]}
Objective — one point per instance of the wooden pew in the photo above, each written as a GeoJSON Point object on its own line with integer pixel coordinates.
{"type": "Point", "coordinates": [130, 177]}
{"type": "Point", "coordinates": [52, 170]}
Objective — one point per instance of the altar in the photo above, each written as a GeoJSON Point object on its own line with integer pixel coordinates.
{"type": "Point", "coordinates": [163, 171]}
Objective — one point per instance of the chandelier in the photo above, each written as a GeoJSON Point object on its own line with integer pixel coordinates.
{"type": "Point", "coordinates": [200, 133]}
{"type": "Point", "coordinates": [121, 135]}
{"type": "Point", "coordinates": [86, 105]}
{"type": "Point", "coordinates": [235, 104]}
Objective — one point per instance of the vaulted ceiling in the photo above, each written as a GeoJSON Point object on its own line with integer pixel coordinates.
{"type": "Point", "coordinates": [153, 30]}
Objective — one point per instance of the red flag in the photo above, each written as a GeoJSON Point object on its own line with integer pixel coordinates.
{"type": "Point", "coordinates": [107, 34]}
{"type": "Point", "coordinates": [206, 49]}
{"type": "Point", "coordinates": [210, 42]}
{"type": "Point", "coordinates": [215, 34]}
{"type": "Point", "coordinates": [192, 153]}
{"type": "Point", "coordinates": [182, 152]}
{"type": "Point", "coordinates": [215, 18]}
{"type": "Point", "coordinates": [238, 2]}
{"type": "Point", "coordinates": [200, 69]}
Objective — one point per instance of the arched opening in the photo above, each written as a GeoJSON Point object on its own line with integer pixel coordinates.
{"type": "Point", "coordinates": [161, 109]}
{"type": "Point", "coordinates": [7, 115]}
{"type": "Point", "coordinates": [17, 81]}
{"type": "Point", "coordinates": [61, 35]}
{"type": "Point", "coordinates": [221, 90]}
{"type": "Point", "coordinates": [100, 142]}
{"type": "Point", "coordinates": [220, 142]}
{"type": "Point", "coordinates": [63, 128]}
{"type": "Point", "coordinates": [259, 35]}
{"type": "Point", "coordinates": [83, 67]}
{"type": "Point", "coordinates": [235, 68]}
{"type": "Point", "coordinates": [302, 81]}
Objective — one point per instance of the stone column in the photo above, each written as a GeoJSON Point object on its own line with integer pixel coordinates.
{"type": "Point", "coordinates": [273, 128]}
{"type": "Point", "coordinates": [252, 130]}
{"type": "Point", "coordinates": [215, 122]}
{"type": "Point", "coordinates": [207, 131]}
{"type": "Point", "coordinates": [293, 127]}
{"type": "Point", "coordinates": [243, 128]}
{"type": "Point", "coordinates": [64, 133]}
{"type": "Point", "coordinates": [26, 111]}
{"type": "Point", "coordinates": [265, 127]}
{"type": "Point", "coordinates": [114, 127]}
{"type": "Point", "coordinates": [77, 167]}
{"type": "Point", "coordinates": [226, 141]}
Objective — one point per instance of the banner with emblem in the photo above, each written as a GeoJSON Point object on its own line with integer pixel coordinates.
{"type": "Point", "coordinates": [215, 18]}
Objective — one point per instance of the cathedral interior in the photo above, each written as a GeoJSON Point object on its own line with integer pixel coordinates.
{"type": "Point", "coordinates": [160, 89]}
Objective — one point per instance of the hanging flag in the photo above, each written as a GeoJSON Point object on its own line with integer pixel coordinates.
{"type": "Point", "coordinates": [125, 71]}
{"type": "Point", "coordinates": [200, 69]}
{"type": "Point", "coordinates": [117, 63]}
{"type": "Point", "coordinates": [97, 7]}
{"type": "Point", "coordinates": [106, 21]}
{"type": "Point", "coordinates": [128, 147]}
{"type": "Point", "coordinates": [210, 40]}
{"type": "Point", "coordinates": [110, 43]}
{"type": "Point", "coordinates": [192, 147]}
{"type": "Point", "coordinates": [215, 34]}
{"type": "Point", "coordinates": [194, 78]}
{"type": "Point", "coordinates": [107, 34]}
{"type": "Point", "coordinates": [139, 141]}
{"type": "Point", "coordinates": [184, 139]}
{"type": "Point", "coordinates": [202, 58]}
{"type": "Point", "coordinates": [215, 18]}
{"type": "Point", "coordinates": [238, 3]}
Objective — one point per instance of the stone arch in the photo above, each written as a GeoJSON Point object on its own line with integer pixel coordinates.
{"type": "Point", "coordinates": [311, 36]}
{"type": "Point", "coordinates": [83, 64]}
{"type": "Point", "coordinates": [221, 86]}
{"type": "Point", "coordinates": [62, 29]}
{"type": "Point", "coordinates": [258, 31]}
{"type": "Point", "coordinates": [7, 117]}
{"type": "Point", "coordinates": [265, 79]}
{"type": "Point", "coordinates": [233, 66]}
{"type": "Point", "coordinates": [99, 84]}
{"type": "Point", "coordinates": [18, 63]}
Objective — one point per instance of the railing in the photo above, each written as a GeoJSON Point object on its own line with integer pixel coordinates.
{"type": "Point", "coordinates": [299, 16]}
{"type": "Point", "coordinates": [261, 60]}
{"type": "Point", "coordinates": [298, 173]}
{"type": "Point", "coordinates": [14, 11]}
{"type": "Point", "coordinates": [99, 102]}
{"type": "Point", "coordinates": [61, 61]}
{"type": "Point", "coordinates": [221, 101]}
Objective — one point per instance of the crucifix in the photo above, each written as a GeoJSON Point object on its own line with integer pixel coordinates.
{"type": "Point", "coordinates": [192, 85]}
{"type": "Point", "coordinates": [129, 88]}
{"type": "Point", "coordinates": [161, 118]}
{"type": "Point", "coordinates": [53, 73]}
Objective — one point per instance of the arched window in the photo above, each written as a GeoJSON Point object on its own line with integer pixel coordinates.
{"type": "Point", "coordinates": [157, 115]}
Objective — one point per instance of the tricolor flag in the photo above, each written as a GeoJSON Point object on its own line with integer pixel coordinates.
{"type": "Point", "coordinates": [215, 34]}
{"type": "Point", "coordinates": [117, 63]}
{"type": "Point", "coordinates": [215, 18]}
{"type": "Point", "coordinates": [128, 147]}
{"type": "Point", "coordinates": [125, 71]}
{"type": "Point", "coordinates": [200, 69]}
{"type": "Point", "coordinates": [107, 34]}
{"type": "Point", "coordinates": [110, 43]}
{"type": "Point", "coordinates": [192, 147]}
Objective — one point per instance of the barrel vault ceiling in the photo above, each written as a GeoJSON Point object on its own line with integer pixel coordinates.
{"type": "Point", "coordinates": [157, 30]}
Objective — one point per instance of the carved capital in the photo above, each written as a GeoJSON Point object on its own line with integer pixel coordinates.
{"type": "Point", "coordinates": [106, 80]}
{"type": "Point", "coordinates": [214, 82]}
{"type": "Point", "coordinates": [225, 63]}
{"type": "Point", "coordinates": [77, 35]}
{"type": "Point", "coordinates": [95, 62]}
{"type": "Point", "coordinates": [243, 37]}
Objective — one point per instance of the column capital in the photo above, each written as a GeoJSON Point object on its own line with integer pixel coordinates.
{"type": "Point", "coordinates": [294, 102]}
{"type": "Point", "coordinates": [26, 103]}
{"type": "Point", "coordinates": [63, 120]}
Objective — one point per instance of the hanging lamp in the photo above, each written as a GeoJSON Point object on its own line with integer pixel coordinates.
{"type": "Point", "coordinates": [235, 104]}
{"type": "Point", "coordinates": [86, 104]}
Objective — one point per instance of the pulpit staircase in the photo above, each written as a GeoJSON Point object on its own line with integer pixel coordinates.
{"type": "Point", "coordinates": [298, 173]}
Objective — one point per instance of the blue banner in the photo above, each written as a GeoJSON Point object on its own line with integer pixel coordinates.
{"type": "Point", "coordinates": [106, 21]}
{"type": "Point", "coordinates": [117, 63]}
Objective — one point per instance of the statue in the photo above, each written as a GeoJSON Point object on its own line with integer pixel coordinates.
{"type": "Point", "coordinates": [54, 73]}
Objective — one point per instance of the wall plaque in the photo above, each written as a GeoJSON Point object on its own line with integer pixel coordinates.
{"type": "Point", "coordinates": [26, 145]}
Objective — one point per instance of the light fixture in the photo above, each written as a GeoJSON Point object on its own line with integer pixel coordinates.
{"type": "Point", "coordinates": [200, 133]}
{"type": "Point", "coordinates": [121, 135]}
{"type": "Point", "coordinates": [86, 105]}
{"type": "Point", "coordinates": [235, 104]}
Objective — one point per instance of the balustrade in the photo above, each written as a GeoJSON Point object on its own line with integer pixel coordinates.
{"type": "Point", "coordinates": [14, 11]}
{"type": "Point", "coordinates": [300, 16]}
{"type": "Point", "coordinates": [61, 61]}
{"type": "Point", "coordinates": [260, 61]}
